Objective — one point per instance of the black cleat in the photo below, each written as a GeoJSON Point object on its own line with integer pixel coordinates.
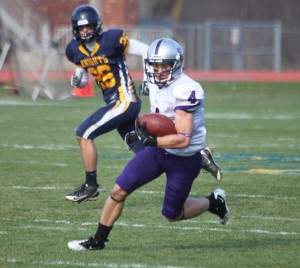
{"type": "Point", "coordinates": [83, 193]}
{"type": "Point", "coordinates": [89, 244]}
{"type": "Point", "coordinates": [210, 165]}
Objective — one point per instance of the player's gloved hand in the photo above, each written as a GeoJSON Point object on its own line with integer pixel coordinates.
{"type": "Point", "coordinates": [144, 89]}
{"type": "Point", "coordinates": [143, 134]}
{"type": "Point", "coordinates": [129, 139]}
{"type": "Point", "coordinates": [75, 81]}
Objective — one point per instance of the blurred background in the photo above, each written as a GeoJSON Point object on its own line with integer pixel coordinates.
{"type": "Point", "coordinates": [231, 35]}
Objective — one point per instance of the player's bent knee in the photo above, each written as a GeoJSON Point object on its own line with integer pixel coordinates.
{"type": "Point", "coordinates": [82, 140]}
{"type": "Point", "coordinates": [79, 139]}
{"type": "Point", "coordinates": [172, 216]}
{"type": "Point", "coordinates": [118, 194]}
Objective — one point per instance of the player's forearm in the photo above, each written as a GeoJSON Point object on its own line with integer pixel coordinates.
{"type": "Point", "coordinates": [174, 141]}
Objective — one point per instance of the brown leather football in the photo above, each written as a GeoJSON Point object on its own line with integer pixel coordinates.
{"type": "Point", "coordinates": [158, 125]}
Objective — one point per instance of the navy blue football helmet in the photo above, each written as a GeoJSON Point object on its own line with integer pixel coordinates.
{"type": "Point", "coordinates": [86, 15]}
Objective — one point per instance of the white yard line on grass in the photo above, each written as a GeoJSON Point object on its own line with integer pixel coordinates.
{"type": "Point", "coordinates": [135, 225]}
{"type": "Point", "coordinates": [235, 116]}
{"type": "Point", "coordinates": [55, 228]}
{"type": "Point", "coordinates": [24, 187]}
{"type": "Point", "coordinates": [266, 196]}
{"type": "Point", "coordinates": [270, 218]}
{"type": "Point", "coordinates": [89, 264]}
{"type": "Point", "coordinates": [30, 162]}
{"type": "Point", "coordinates": [19, 187]}
{"type": "Point", "coordinates": [51, 147]}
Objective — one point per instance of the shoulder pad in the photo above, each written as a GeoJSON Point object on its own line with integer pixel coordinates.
{"type": "Point", "coordinates": [184, 91]}
{"type": "Point", "coordinates": [113, 32]}
{"type": "Point", "coordinates": [71, 50]}
{"type": "Point", "coordinates": [117, 39]}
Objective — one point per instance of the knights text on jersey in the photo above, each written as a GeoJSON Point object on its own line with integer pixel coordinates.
{"type": "Point", "coordinates": [107, 64]}
{"type": "Point", "coordinates": [183, 94]}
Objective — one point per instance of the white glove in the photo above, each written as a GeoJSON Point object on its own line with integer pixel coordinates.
{"type": "Point", "coordinates": [80, 78]}
{"type": "Point", "coordinates": [75, 81]}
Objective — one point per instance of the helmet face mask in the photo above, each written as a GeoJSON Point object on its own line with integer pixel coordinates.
{"type": "Point", "coordinates": [86, 16]}
{"type": "Point", "coordinates": [160, 73]}
{"type": "Point", "coordinates": [87, 35]}
{"type": "Point", "coordinates": [164, 62]}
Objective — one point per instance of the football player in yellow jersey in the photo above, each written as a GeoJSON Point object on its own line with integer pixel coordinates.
{"type": "Point", "coordinates": [102, 55]}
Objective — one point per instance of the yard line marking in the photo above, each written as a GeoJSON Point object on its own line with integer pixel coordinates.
{"type": "Point", "coordinates": [136, 225]}
{"type": "Point", "coordinates": [269, 232]}
{"type": "Point", "coordinates": [28, 103]}
{"type": "Point", "coordinates": [237, 195]}
{"type": "Point", "coordinates": [234, 116]}
{"type": "Point", "coordinates": [207, 229]}
{"type": "Point", "coordinates": [50, 228]}
{"type": "Point", "coordinates": [30, 162]}
{"type": "Point", "coordinates": [39, 188]}
{"type": "Point", "coordinates": [270, 218]}
{"type": "Point", "coordinates": [92, 264]}
{"type": "Point", "coordinates": [23, 187]}
{"type": "Point", "coordinates": [266, 196]}
{"type": "Point", "coordinates": [43, 147]}
{"type": "Point", "coordinates": [56, 221]}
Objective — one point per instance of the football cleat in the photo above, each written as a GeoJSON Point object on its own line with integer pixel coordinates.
{"type": "Point", "coordinates": [221, 209]}
{"type": "Point", "coordinates": [89, 244]}
{"type": "Point", "coordinates": [83, 193]}
{"type": "Point", "coordinates": [210, 165]}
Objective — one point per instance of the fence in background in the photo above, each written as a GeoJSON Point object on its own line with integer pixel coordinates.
{"type": "Point", "coordinates": [232, 46]}
{"type": "Point", "coordinates": [223, 45]}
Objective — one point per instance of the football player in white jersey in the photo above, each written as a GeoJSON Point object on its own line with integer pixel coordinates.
{"type": "Point", "coordinates": [178, 155]}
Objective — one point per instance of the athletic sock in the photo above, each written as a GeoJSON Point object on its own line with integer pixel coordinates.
{"type": "Point", "coordinates": [102, 233]}
{"type": "Point", "coordinates": [91, 178]}
{"type": "Point", "coordinates": [212, 203]}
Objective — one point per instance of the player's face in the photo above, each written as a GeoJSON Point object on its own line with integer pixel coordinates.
{"type": "Point", "coordinates": [86, 31]}
{"type": "Point", "coordinates": [162, 72]}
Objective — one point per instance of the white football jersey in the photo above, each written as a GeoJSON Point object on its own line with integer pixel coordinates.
{"type": "Point", "coordinates": [183, 94]}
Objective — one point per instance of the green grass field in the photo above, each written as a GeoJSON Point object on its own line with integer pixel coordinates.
{"type": "Point", "coordinates": [254, 131]}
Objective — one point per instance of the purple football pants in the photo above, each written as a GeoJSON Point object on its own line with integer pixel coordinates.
{"type": "Point", "coordinates": [150, 163]}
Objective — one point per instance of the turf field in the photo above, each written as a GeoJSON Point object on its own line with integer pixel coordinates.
{"type": "Point", "coordinates": [254, 131]}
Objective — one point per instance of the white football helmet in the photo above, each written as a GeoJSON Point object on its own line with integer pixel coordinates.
{"type": "Point", "coordinates": [164, 52]}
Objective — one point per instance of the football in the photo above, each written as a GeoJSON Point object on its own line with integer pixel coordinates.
{"type": "Point", "coordinates": [158, 125]}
